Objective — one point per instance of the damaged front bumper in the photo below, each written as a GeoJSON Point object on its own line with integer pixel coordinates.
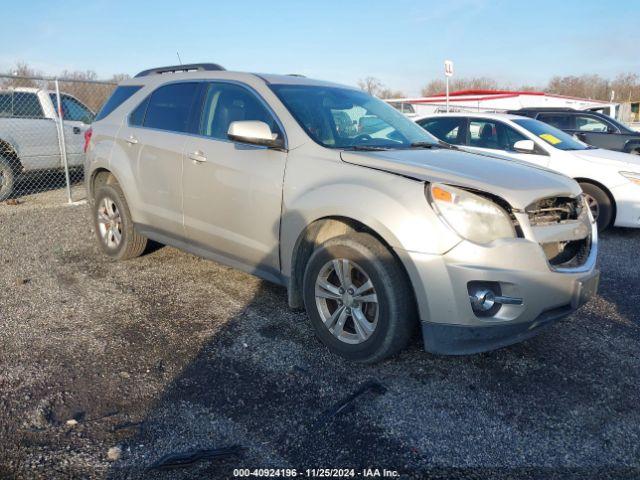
{"type": "Point", "coordinates": [518, 268]}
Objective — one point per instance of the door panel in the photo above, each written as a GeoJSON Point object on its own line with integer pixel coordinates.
{"type": "Point", "coordinates": [158, 172]}
{"type": "Point", "coordinates": [232, 191]}
{"type": "Point", "coordinates": [232, 201]}
{"type": "Point", "coordinates": [37, 141]}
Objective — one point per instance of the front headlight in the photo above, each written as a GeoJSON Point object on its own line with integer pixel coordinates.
{"type": "Point", "coordinates": [634, 177]}
{"type": "Point", "coordinates": [471, 216]}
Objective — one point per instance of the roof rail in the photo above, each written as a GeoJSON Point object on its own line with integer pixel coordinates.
{"type": "Point", "coordinates": [295, 75]}
{"type": "Point", "coordinates": [180, 68]}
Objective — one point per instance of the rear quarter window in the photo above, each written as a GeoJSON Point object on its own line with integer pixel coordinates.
{"type": "Point", "coordinates": [117, 98]}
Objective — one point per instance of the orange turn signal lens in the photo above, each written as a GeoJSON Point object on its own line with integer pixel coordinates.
{"type": "Point", "coordinates": [441, 194]}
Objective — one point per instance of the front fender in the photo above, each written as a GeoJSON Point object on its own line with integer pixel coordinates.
{"type": "Point", "coordinates": [395, 209]}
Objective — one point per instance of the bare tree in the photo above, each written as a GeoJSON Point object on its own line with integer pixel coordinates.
{"type": "Point", "coordinates": [371, 85]}
{"type": "Point", "coordinates": [73, 82]}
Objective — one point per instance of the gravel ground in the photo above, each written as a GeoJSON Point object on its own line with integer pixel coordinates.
{"type": "Point", "coordinates": [169, 353]}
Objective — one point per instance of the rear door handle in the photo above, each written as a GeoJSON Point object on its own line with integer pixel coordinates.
{"type": "Point", "coordinates": [76, 130]}
{"type": "Point", "coordinates": [132, 140]}
{"type": "Point", "coordinates": [197, 156]}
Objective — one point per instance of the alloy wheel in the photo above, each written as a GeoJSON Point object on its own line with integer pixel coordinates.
{"type": "Point", "coordinates": [347, 301]}
{"type": "Point", "coordinates": [593, 206]}
{"type": "Point", "coordinates": [110, 223]}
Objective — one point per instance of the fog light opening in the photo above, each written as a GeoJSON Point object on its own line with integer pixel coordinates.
{"type": "Point", "coordinates": [486, 298]}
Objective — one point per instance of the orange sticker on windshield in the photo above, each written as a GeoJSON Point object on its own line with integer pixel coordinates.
{"type": "Point", "coordinates": [550, 138]}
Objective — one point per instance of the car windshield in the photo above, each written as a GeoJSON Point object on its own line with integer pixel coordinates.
{"type": "Point", "coordinates": [554, 137]}
{"type": "Point", "coordinates": [344, 118]}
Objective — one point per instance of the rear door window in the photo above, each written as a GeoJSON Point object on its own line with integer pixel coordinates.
{"type": "Point", "coordinates": [449, 129]}
{"type": "Point", "coordinates": [27, 105]}
{"type": "Point", "coordinates": [72, 109]}
{"type": "Point", "coordinates": [170, 106]}
{"type": "Point", "coordinates": [563, 122]}
{"type": "Point", "coordinates": [588, 123]}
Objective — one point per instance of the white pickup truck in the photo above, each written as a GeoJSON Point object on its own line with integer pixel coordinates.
{"type": "Point", "coordinates": [29, 133]}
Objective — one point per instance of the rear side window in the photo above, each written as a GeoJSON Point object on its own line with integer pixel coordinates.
{"type": "Point", "coordinates": [450, 130]}
{"type": "Point", "coordinates": [27, 105]}
{"type": "Point", "coordinates": [117, 98]}
{"type": "Point", "coordinates": [5, 104]}
{"type": "Point", "coordinates": [169, 107]}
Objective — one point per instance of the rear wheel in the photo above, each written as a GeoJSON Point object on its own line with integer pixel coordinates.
{"type": "Point", "coordinates": [7, 179]}
{"type": "Point", "coordinates": [599, 203]}
{"type": "Point", "coordinates": [358, 298]}
{"type": "Point", "coordinates": [114, 226]}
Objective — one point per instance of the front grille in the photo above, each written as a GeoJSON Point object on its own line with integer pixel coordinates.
{"type": "Point", "coordinates": [549, 212]}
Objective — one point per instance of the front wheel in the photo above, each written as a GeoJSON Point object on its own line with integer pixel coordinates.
{"type": "Point", "coordinates": [7, 179]}
{"type": "Point", "coordinates": [600, 205]}
{"type": "Point", "coordinates": [114, 225]}
{"type": "Point", "coordinates": [358, 298]}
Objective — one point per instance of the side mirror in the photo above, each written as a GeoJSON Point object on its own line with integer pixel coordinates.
{"type": "Point", "coordinates": [524, 146]}
{"type": "Point", "coordinates": [254, 132]}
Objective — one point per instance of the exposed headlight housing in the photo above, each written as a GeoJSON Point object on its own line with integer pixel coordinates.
{"type": "Point", "coordinates": [634, 177]}
{"type": "Point", "coordinates": [471, 216]}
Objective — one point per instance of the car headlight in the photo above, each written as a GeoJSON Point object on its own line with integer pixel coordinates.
{"type": "Point", "coordinates": [634, 177]}
{"type": "Point", "coordinates": [471, 216]}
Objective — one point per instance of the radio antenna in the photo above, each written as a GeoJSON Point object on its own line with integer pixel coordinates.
{"type": "Point", "coordinates": [179, 59]}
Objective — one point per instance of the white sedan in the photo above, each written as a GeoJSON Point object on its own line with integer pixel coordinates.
{"type": "Point", "coordinates": [611, 180]}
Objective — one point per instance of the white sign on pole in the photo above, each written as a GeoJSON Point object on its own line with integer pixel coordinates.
{"type": "Point", "coordinates": [448, 72]}
{"type": "Point", "coordinates": [448, 68]}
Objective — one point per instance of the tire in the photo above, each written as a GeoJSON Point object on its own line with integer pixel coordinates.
{"type": "Point", "coordinates": [112, 219]}
{"type": "Point", "coordinates": [389, 322]}
{"type": "Point", "coordinates": [7, 179]}
{"type": "Point", "coordinates": [635, 152]}
{"type": "Point", "coordinates": [602, 209]}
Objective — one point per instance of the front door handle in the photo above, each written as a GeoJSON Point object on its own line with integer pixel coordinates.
{"type": "Point", "coordinates": [132, 140]}
{"type": "Point", "coordinates": [197, 157]}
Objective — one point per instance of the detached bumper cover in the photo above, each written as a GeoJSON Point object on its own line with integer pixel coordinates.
{"type": "Point", "coordinates": [446, 339]}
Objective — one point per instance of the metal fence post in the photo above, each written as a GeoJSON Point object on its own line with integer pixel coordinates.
{"type": "Point", "coordinates": [61, 139]}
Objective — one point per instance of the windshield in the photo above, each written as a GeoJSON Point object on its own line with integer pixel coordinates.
{"type": "Point", "coordinates": [554, 137]}
{"type": "Point", "coordinates": [343, 118]}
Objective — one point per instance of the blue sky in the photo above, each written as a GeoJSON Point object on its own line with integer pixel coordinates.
{"type": "Point", "coordinates": [403, 43]}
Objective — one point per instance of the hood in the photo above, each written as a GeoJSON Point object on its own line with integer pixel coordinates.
{"type": "Point", "coordinates": [518, 183]}
{"type": "Point", "coordinates": [609, 157]}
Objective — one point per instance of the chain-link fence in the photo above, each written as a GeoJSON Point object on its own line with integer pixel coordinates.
{"type": "Point", "coordinates": [42, 134]}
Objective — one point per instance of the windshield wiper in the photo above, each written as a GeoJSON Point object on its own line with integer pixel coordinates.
{"type": "Point", "coordinates": [440, 144]}
{"type": "Point", "coordinates": [366, 148]}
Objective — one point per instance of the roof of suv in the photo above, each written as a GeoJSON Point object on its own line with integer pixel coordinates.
{"type": "Point", "coordinates": [495, 116]}
{"type": "Point", "coordinates": [213, 71]}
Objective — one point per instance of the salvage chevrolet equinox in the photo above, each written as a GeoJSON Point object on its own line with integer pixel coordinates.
{"type": "Point", "coordinates": [373, 225]}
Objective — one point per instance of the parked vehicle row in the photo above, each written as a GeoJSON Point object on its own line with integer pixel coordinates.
{"type": "Point", "coordinates": [593, 128]}
{"type": "Point", "coordinates": [29, 134]}
{"type": "Point", "coordinates": [372, 224]}
{"type": "Point", "coordinates": [609, 179]}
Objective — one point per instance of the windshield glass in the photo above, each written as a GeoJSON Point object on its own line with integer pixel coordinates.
{"type": "Point", "coordinates": [554, 137]}
{"type": "Point", "coordinates": [338, 117]}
